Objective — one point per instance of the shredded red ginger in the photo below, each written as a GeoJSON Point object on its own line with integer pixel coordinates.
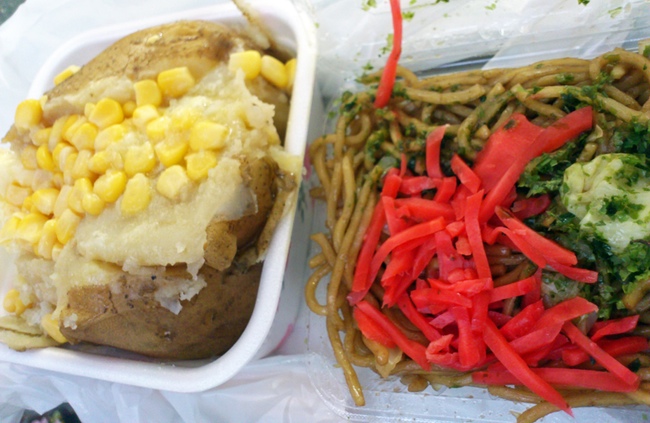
{"type": "Point", "coordinates": [456, 306]}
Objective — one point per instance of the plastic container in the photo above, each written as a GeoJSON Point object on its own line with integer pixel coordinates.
{"type": "Point", "coordinates": [274, 314]}
{"type": "Point", "coordinates": [388, 400]}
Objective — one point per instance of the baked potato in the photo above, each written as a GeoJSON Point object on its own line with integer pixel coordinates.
{"type": "Point", "coordinates": [141, 192]}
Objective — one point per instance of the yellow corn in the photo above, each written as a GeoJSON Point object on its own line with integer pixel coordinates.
{"type": "Point", "coordinates": [110, 135]}
{"type": "Point", "coordinates": [61, 203]}
{"type": "Point", "coordinates": [147, 92]}
{"type": "Point", "coordinates": [24, 177]}
{"type": "Point", "coordinates": [30, 227]}
{"type": "Point", "coordinates": [100, 162]}
{"type": "Point", "coordinates": [172, 181]}
{"type": "Point", "coordinates": [71, 126]}
{"type": "Point", "coordinates": [12, 303]}
{"type": "Point", "coordinates": [17, 194]}
{"type": "Point", "coordinates": [106, 112]}
{"type": "Point", "coordinates": [57, 179]}
{"type": "Point", "coordinates": [56, 132]}
{"type": "Point", "coordinates": [198, 164]}
{"type": "Point", "coordinates": [128, 108]}
{"type": "Point", "coordinates": [44, 158]}
{"type": "Point", "coordinates": [175, 82]}
{"type": "Point", "coordinates": [84, 137]}
{"type": "Point", "coordinates": [81, 168]}
{"type": "Point", "coordinates": [274, 71]}
{"type": "Point", "coordinates": [185, 121]}
{"type": "Point", "coordinates": [208, 135]}
{"type": "Point", "coordinates": [157, 128]}
{"type": "Point", "coordinates": [44, 200]}
{"type": "Point", "coordinates": [42, 136]}
{"type": "Point", "coordinates": [65, 74]}
{"type": "Point", "coordinates": [145, 114]}
{"type": "Point", "coordinates": [47, 241]}
{"type": "Point", "coordinates": [171, 151]}
{"type": "Point", "coordinates": [290, 67]}
{"type": "Point", "coordinates": [110, 185]}
{"type": "Point", "coordinates": [88, 109]}
{"type": "Point", "coordinates": [28, 157]}
{"type": "Point", "coordinates": [68, 167]}
{"type": "Point", "coordinates": [92, 204]}
{"type": "Point", "coordinates": [28, 113]}
{"type": "Point", "coordinates": [10, 228]}
{"type": "Point", "coordinates": [61, 153]}
{"type": "Point", "coordinates": [56, 250]}
{"type": "Point", "coordinates": [80, 188]}
{"type": "Point", "coordinates": [66, 225]}
{"type": "Point", "coordinates": [28, 205]}
{"type": "Point", "coordinates": [139, 159]}
{"type": "Point", "coordinates": [137, 195]}
{"type": "Point", "coordinates": [51, 327]}
{"type": "Point", "coordinates": [249, 61]}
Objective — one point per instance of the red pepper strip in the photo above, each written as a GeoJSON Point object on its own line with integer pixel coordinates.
{"type": "Point", "coordinates": [516, 365]}
{"type": "Point", "coordinates": [432, 152]}
{"type": "Point", "coordinates": [423, 256]}
{"type": "Point", "coordinates": [575, 273]}
{"type": "Point", "coordinates": [387, 81]}
{"type": "Point", "coordinates": [371, 329]}
{"type": "Point", "coordinates": [614, 327]}
{"type": "Point", "coordinates": [403, 165]}
{"type": "Point", "coordinates": [563, 130]}
{"type": "Point", "coordinates": [520, 244]}
{"type": "Point", "coordinates": [454, 229]}
{"type": "Point", "coordinates": [560, 377]}
{"type": "Point", "coordinates": [448, 257]}
{"type": "Point", "coordinates": [446, 190]}
{"type": "Point", "coordinates": [514, 289]}
{"type": "Point", "coordinates": [427, 297]}
{"type": "Point", "coordinates": [614, 347]}
{"type": "Point", "coordinates": [395, 223]}
{"type": "Point", "coordinates": [398, 286]}
{"type": "Point", "coordinates": [543, 354]}
{"type": "Point", "coordinates": [392, 182]}
{"type": "Point", "coordinates": [465, 174]}
{"type": "Point", "coordinates": [536, 294]}
{"type": "Point", "coordinates": [362, 282]}
{"type": "Point", "coordinates": [536, 339]}
{"type": "Point", "coordinates": [406, 305]}
{"type": "Point", "coordinates": [565, 311]}
{"type": "Point", "coordinates": [499, 319]}
{"type": "Point", "coordinates": [421, 230]}
{"type": "Point", "coordinates": [533, 206]}
{"type": "Point", "coordinates": [523, 322]}
{"type": "Point", "coordinates": [469, 287]}
{"type": "Point", "coordinates": [480, 304]}
{"type": "Point", "coordinates": [416, 184]}
{"type": "Point", "coordinates": [421, 209]}
{"type": "Point", "coordinates": [549, 249]}
{"type": "Point", "coordinates": [462, 246]}
{"type": "Point", "coordinates": [411, 348]}
{"type": "Point", "coordinates": [473, 229]}
{"type": "Point", "coordinates": [601, 357]}
{"type": "Point", "coordinates": [469, 349]}
{"type": "Point", "coordinates": [400, 262]}
{"type": "Point", "coordinates": [442, 320]}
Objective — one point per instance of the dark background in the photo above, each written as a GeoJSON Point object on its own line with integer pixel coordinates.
{"type": "Point", "coordinates": [7, 8]}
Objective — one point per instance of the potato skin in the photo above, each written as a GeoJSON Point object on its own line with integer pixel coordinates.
{"type": "Point", "coordinates": [129, 317]}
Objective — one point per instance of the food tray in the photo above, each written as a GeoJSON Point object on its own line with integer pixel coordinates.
{"type": "Point", "coordinates": [274, 314]}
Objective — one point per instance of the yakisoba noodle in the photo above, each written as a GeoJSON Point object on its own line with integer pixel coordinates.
{"type": "Point", "coordinates": [350, 164]}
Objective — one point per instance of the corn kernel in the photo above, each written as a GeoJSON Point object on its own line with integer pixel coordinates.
{"type": "Point", "coordinates": [92, 204]}
{"type": "Point", "coordinates": [56, 133]}
{"type": "Point", "coordinates": [274, 71]}
{"type": "Point", "coordinates": [198, 164]}
{"type": "Point", "coordinates": [61, 203]}
{"type": "Point", "coordinates": [13, 304]}
{"type": "Point", "coordinates": [208, 135]}
{"type": "Point", "coordinates": [28, 157]}
{"type": "Point", "coordinates": [88, 109]}
{"type": "Point", "coordinates": [157, 128]}
{"type": "Point", "coordinates": [147, 92]}
{"type": "Point", "coordinates": [44, 158]}
{"type": "Point", "coordinates": [81, 168]}
{"type": "Point", "coordinates": [66, 73]}
{"type": "Point", "coordinates": [110, 185]}
{"type": "Point", "coordinates": [172, 182]}
{"type": "Point", "coordinates": [42, 136]}
{"type": "Point", "coordinates": [145, 114]}
{"type": "Point", "coordinates": [51, 327]}
{"type": "Point", "coordinates": [100, 162]}
{"type": "Point", "coordinates": [128, 108]}
{"type": "Point", "coordinates": [249, 61]}
{"type": "Point", "coordinates": [62, 148]}
{"type": "Point", "coordinates": [66, 226]}
{"type": "Point", "coordinates": [108, 136]}
{"type": "Point", "coordinates": [57, 179]}
{"type": "Point", "coordinates": [47, 241]}
{"type": "Point", "coordinates": [107, 112]}
{"type": "Point", "coordinates": [175, 82]}
{"type": "Point", "coordinates": [30, 227]}
{"type": "Point", "coordinates": [71, 126]}
{"type": "Point", "coordinates": [24, 177]}
{"type": "Point", "coordinates": [44, 200]}
{"type": "Point", "coordinates": [80, 188]}
{"type": "Point", "coordinates": [10, 228]}
{"type": "Point", "coordinates": [171, 151]}
{"type": "Point", "coordinates": [290, 67]}
{"type": "Point", "coordinates": [68, 167]}
{"type": "Point", "coordinates": [139, 159]}
{"type": "Point", "coordinates": [28, 113]}
{"type": "Point", "coordinates": [137, 195]}
{"type": "Point", "coordinates": [84, 137]}
{"type": "Point", "coordinates": [16, 194]}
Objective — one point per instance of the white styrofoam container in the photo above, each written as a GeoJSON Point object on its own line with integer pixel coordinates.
{"type": "Point", "coordinates": [274, 314]}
